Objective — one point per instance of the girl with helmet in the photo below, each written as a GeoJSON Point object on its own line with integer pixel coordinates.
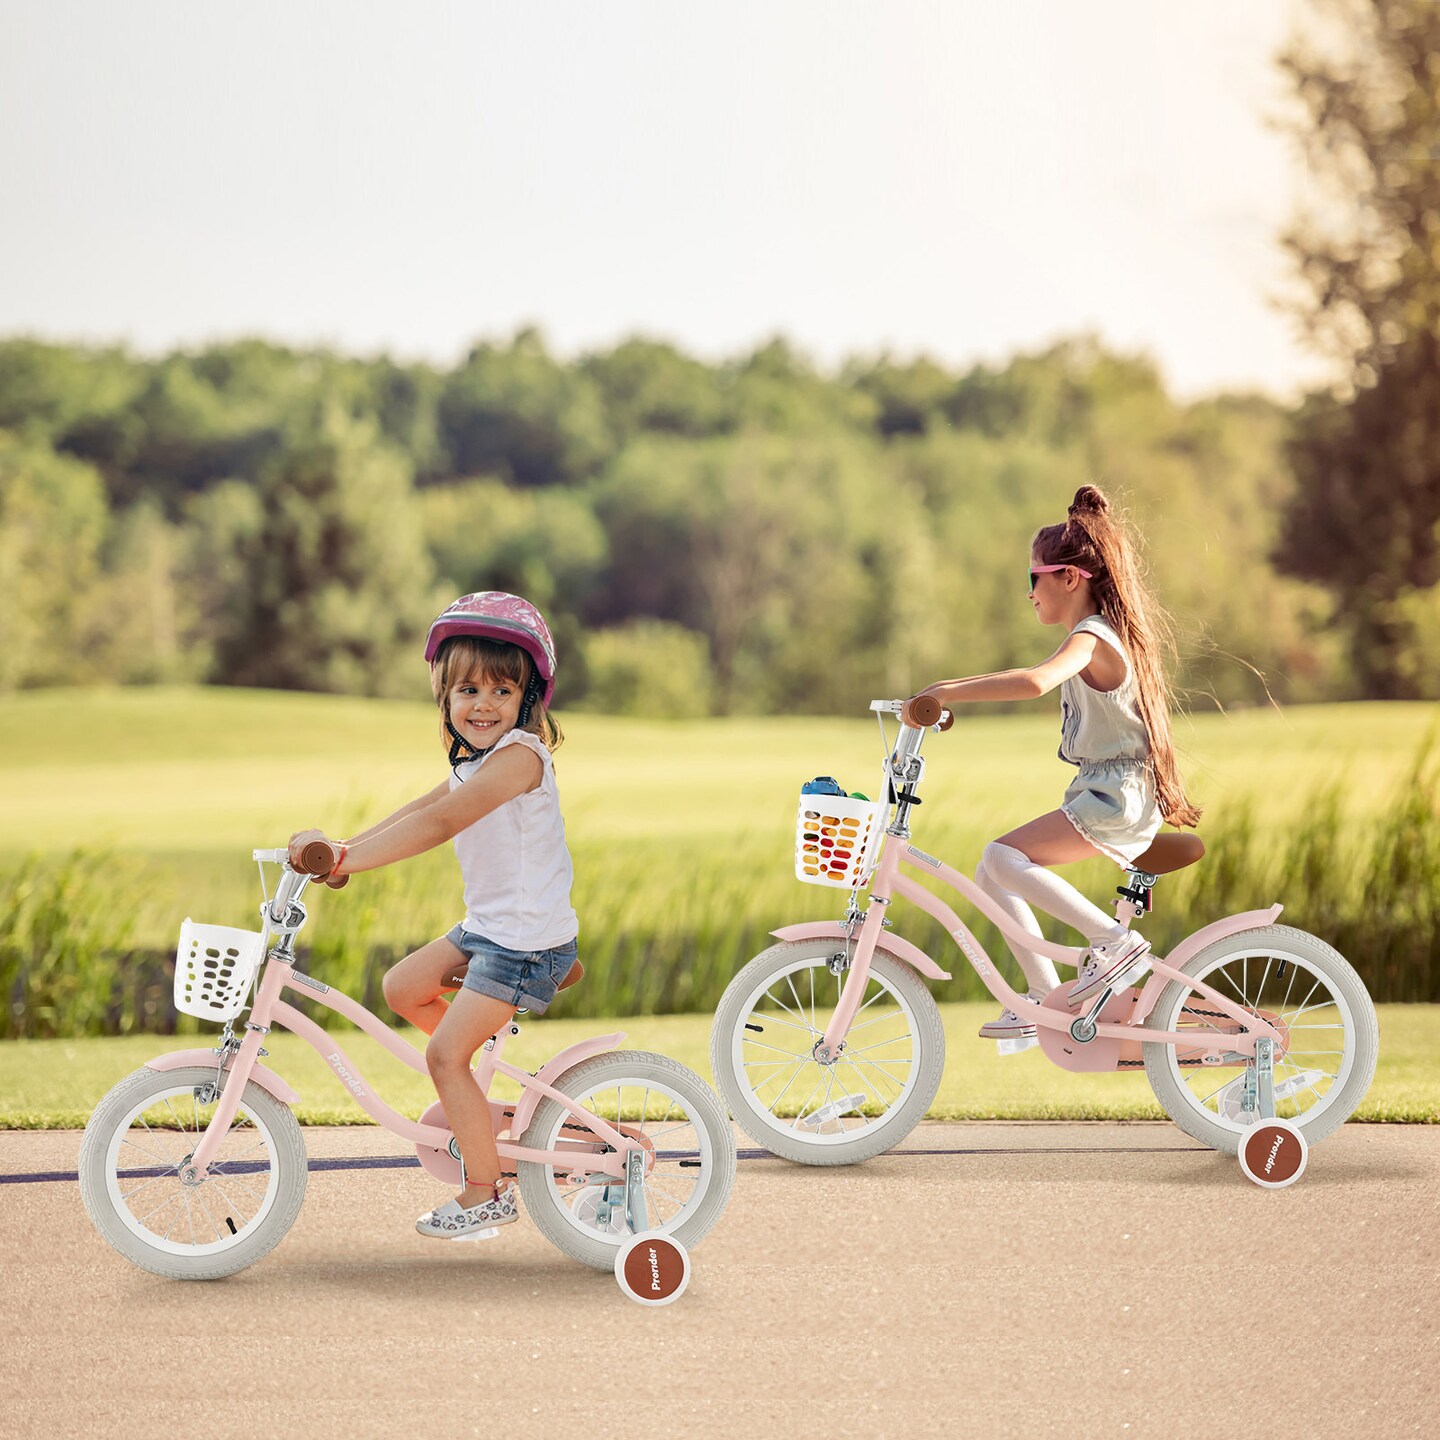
{"type": "Point", "coordinates": [492, 670]}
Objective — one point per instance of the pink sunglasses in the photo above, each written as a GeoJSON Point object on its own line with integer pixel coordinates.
{"type": "Point", "coordinates": [1051, 569]}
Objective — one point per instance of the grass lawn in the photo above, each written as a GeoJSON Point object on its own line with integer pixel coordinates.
{"type": "Point", "coordinates": [54, 1084]}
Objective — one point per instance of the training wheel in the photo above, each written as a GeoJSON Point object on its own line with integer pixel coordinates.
{"type": "Point", "coordinates": [1273, 1154]}
{"type": "Point", "coordinates": [653, 1268]}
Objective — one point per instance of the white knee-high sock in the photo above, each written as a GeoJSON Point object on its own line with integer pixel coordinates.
{"type": "Point", "coordinates": [1039, 970]}
{"type": "Point", "coordinates": [1015, 871]}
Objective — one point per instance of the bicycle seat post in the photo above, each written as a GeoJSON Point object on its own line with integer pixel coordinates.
{"type": "Point", "coordinates": [1136, 898]}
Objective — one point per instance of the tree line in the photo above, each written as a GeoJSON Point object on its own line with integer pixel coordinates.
{"type": "Point", "coordinates": [757, 535]}
{"type": "Point", "coordinates": [743, 537]}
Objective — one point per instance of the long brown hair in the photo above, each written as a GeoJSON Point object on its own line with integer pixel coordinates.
{"type": "Point", "coordinates": [1096, 540]}
{"type": "Point", "coordinates": [464, 656]}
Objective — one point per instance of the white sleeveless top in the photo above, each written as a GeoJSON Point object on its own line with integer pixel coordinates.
{"type": "Point", "coordinates": [515, 863]}
{"type": "Point", "coordinates": [1101, 726]}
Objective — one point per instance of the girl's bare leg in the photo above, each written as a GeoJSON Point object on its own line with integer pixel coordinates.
{"type": "Point", "coordinates": [413, 987]}
{"type": "Point", "coordinates": [1050, 840]}
{"type": "Point", "coordinates": [470, 1020]}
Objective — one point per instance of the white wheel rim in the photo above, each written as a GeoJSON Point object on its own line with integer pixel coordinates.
{"type": "Point", "coordinates": [673, 1192]}
{"type": "Point", "coordinates": [1308, 1016]}
{"type": "Point", "coordinates": [142, 1180]}
{"type": "Point", "coordinates": [835, 1082]}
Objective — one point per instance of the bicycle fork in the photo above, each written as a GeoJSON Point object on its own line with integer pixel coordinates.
{"type": "Point", "coordinates": [831, 1045]}
{"type": "Point", "coordinates": [194, 1170]}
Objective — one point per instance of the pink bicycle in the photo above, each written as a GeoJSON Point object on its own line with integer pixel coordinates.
{"type": "Point", "coordinates": [194, 1166]}
{"type": "Point", "coordinates": [828, 1048]}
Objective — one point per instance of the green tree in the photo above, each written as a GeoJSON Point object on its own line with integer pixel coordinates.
{"type": "Point", "coordinates": [1365, 520]}
{"type": "Point", "coordinates": [52, 525]}
{"type": "Point", "coordinates": [517, 413]}
{"type": "Point", "coordinates": [337, 581]}
{"type": "Point", "coordinates": [649, 385]}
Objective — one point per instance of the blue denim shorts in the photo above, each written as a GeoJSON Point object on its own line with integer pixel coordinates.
{"type": "Point", "coordinates": [526, 979]}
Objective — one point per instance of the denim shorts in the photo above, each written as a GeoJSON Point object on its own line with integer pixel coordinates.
{"type": "Point", "coordinates": [526, 979]}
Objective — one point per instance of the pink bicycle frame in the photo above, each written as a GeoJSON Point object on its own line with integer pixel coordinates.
{"type": "Point", "coordinates": [889, 882]}
{"type": "Point", "coordinates": [270, 1009]}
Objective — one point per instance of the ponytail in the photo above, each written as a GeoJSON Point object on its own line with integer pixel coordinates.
{"type": "Point", "coordinates": [1094, 539]}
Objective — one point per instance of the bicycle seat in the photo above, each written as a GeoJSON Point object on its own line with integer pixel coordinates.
{"type": "Point", "coordinates": [572, 975]}
{"type": "Point", "coordinates": [1168, 853]}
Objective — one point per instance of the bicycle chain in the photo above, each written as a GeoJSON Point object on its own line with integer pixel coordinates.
{"type": "Point", "coordinates": [1184, 1010]}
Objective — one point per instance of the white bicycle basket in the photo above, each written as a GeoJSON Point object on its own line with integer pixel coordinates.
{"type": "Point", "coordinates": [837, 839]}
{"type": "Point", "coordinates": [213, 969]}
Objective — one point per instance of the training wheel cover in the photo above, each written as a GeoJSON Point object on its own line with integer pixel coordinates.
{"type": "Point", "coordinates": [1273, 1154]}
{"type": "Point", "coordinates": [652, 1268]}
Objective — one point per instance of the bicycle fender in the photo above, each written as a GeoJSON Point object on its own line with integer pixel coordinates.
{"type": "Point", "coordinates": [556, 1065]}
{"type": "Point", "coordinates": [896, 946]}
{"type": "Point", "coordinates": [265, 1079]}
{"type": "Point", "coordinates": [1217, 929]}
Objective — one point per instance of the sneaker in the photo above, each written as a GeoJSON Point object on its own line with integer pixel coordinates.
{"type": "Point", "coordinates": [1009, 1026]}
{"type": "Point", "coordinates": [454, 1221]}
{"type": "Point", "coordinates": [1119, 963]}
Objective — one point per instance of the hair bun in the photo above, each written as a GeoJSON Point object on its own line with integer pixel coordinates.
{"type": "Point", "coordinates": [1089, 501]}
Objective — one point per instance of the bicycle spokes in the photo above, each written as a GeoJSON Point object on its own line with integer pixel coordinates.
{"type": "Point", "coordinates": [786, 1021]}
{"type": "Point", "coordinates": [1303, 1006]}
{"type": "Point", "coordinates": [153, 1201]}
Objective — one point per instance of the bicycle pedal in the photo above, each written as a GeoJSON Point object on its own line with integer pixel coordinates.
{"type": "Point", "coordinates": [488, 1234]}
{"type": "Point", "coordinates": [832, 1111]}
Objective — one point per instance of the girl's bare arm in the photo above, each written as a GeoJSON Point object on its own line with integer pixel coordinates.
{"type": "Point", "coordinates": [444, 813]}
{"type": "Point", "coordinates": [1025, 684]}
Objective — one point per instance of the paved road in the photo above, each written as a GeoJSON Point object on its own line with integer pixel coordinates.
{"type": "Point", "coordinates": [1078, 1280]}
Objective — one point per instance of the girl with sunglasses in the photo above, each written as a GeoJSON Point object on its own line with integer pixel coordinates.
{"type": "Point", "coordinates": [1115, 729]}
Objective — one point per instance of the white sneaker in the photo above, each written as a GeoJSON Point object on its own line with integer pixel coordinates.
{"type": "Point", "coordinates": [1120, 963]}
{"type": "Point", "coordinates": [454, 1221]}
{"type": "Point", "coordinates": [1009, 1026]}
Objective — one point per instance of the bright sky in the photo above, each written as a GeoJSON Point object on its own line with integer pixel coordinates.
{"type": "Point", "coordinates": [957, 178]}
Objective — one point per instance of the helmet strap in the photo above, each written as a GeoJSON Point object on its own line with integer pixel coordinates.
{"type": "Point", "coordinates": [458, 743]}
{"type": "Point", "coordinates": [534, 688]}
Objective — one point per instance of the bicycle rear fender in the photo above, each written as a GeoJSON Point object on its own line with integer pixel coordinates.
{"type": "Point", "coordinates": [893, 945]}
{"type": "Point", "coordinates": [265, 1079]}
{"type": "Point", "coordinates": [555, 1066]}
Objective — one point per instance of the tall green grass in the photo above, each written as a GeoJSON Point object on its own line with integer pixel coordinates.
{"type": "Point", "coordinates": [666, 924]}
{"type": "Point", "coordinates": [680, 832]}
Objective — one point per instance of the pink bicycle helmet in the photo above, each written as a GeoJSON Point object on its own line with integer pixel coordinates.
{"type": "Point", "coordinates": [498, 615]}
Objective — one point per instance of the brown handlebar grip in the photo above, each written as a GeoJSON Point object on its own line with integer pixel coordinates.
{"type": "Point", "coordinates": [319, 858]}
{"type": "Point", "coordinates": [921, 711]}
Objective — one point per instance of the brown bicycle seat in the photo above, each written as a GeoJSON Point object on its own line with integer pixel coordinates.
{"type": "Point", "coordinates": [572, 975]}
{"type": "Point", "coordinates": [1168, 853]}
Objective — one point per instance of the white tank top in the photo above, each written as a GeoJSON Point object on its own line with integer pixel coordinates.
{"type": "Point", "coordinates": [1097, 726]}
{"type": "Point", "coordinates": [515, 863]}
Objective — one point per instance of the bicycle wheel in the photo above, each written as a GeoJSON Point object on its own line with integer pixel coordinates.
{"type": "Point", "coordinates": [140, 1136]}
{"type": "Point", "coordinates": [768, 1023]}
{"type": "Point", "coordinates": [1323, 1009]}
{"type": "Point", "coordinates": [672, 1111]}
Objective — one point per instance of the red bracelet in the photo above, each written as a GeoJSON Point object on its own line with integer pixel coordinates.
{"type": "Point", "coordinates": [340, 860]}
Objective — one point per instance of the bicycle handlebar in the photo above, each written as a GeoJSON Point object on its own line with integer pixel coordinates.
{"type": "Point", "coordinates": [923, 711]}
{"type": "Point", "coordinates": [318, 858]}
